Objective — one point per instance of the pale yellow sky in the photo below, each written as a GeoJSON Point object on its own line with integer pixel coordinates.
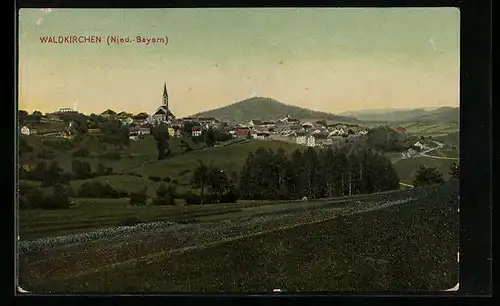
{"type": "Point", "coordinates": [330, 60]}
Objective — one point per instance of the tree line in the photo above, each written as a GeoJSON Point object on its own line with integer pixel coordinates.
{"type": "Point", "coordinates": [53, 174]}
{"type": "Point", "coordinates": [269, 175]}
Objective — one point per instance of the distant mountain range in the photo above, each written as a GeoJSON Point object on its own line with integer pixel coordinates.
{"type": "Point", "coordinates": [268, 109]}
{"type": "Point", "coordinates": [441, 114]}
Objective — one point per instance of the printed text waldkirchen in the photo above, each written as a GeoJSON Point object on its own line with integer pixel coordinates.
{"type": "Point", "coordinates": [109, 40]}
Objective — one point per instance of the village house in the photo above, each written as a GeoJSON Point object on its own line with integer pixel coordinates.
{"type": "Point", "coordinates": [419, 145]}
{"type": "Point", "coordinates": [133, 130]}
{"type": "Point", "coordinates": [241, 132]}
{"type": "Point", "coordinates": [196, 131]}
{"type": "Point", "coordinates": [301, 138]}
{"type": "Point", "coordinates": [289, 120]}
{"type": "Point", "coordinates": [140, 118]}
{"type": "Point", "coordinates": [126, 121]}
{"type": "Point", "coordinates": [144, 130]}
{"type": "Point", "coordinates": [124, 114]}
{"type": "Point", "coordinates": [108, 114]}
{"type": "Point", "coordinates": [337, 132]}
{"type": "Point", "coordinates": [53, 117]}
{"type": "Point", "coordinates": [254, 123]}
{"type": "Point", "coordinates": [413, 145]}
{"type": "Point", "coordinates": [307, 125]}
{"type": "Point", "coordinates": [261, 135]}
{"type": "Point", "coordinates": [311, 141]}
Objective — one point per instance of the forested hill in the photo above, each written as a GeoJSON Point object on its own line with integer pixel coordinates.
{"type": "Point", "coordinates": [268, 109]}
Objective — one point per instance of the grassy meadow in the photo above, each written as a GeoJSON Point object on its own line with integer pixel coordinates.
{"type": "Point", "coordinates": [407, 168]}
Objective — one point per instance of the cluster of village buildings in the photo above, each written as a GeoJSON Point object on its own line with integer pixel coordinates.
{"type": "Point", "coordinates": [286, 129]}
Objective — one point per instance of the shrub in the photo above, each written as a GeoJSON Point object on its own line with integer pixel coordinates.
{"type": "Point", "coordinates": [155, 178]}
{"type": "Point", "coordinates": [81, 153]}
{"type": "Point", "coordinates": [46, 154]}
{"type": "Point", "coordinates": [103, 170]}
{"type": "Point", "coordinates": [95, 189]}
{"type": "Point", "coordinates": [59, 199]}
{"type": "Point", "coordinates": [129, 221]}
{"type": "Point", "coordinates": [427, 176]}
{"type": "Point", "coordinates": [165, 195]}
{"type": "Point", "coordinates": [81, 169]}
{"type": "Point", "coordinates": [66, 177]}
{"type": "Point", "coordinates": [229, 197]}
{"type": "Point", "coordinates": [138, 198]}
{"type": "Point", "coordinates": [24, 147]}
{"type": "Point", "coordinates": [191, 198]}
{"type": "Point", "coordinates": [34, 197]}
{"type": "Point", "coordinates": [61, 145]}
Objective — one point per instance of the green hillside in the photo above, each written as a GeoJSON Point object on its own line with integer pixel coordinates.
{"type": "Point", "coordinates": [390, 116]}
{"type": "Point", "coordinates": [407, 168]}
{"type": "Point", "coordinates": [228, 158]}
{"type": "Point", "coordinates": [267, 109]}
{"type": "Point", "coordinates": [440, 115]}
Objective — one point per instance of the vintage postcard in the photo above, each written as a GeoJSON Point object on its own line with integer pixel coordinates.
{"type": "Point", "coordinates": [238, 150]}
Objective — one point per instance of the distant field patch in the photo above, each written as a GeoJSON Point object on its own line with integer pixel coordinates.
{"type": "Point", "coordinates": [228, 158]}
{"type": "Point", "coordinates": [446, 153]}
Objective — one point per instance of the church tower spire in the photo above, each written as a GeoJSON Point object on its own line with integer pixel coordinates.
{"type": "Point", "coordinates": [165, 96]}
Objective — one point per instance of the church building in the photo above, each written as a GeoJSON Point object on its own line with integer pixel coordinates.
{"type": "Point", "coordinates": [163, 113]}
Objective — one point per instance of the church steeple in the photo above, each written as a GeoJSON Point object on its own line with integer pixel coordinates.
{"type": "Point", "coordinates": [165, 96]}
